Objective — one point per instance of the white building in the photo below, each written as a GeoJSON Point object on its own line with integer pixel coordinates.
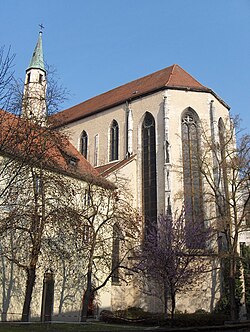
{"type": "Point", "coordinates": [150, 132]}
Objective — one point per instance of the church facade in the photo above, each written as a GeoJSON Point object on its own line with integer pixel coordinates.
{"type": "Point", "coordinates": [149, 131]}
{"type": "Point", "coordinates": [141, 126]}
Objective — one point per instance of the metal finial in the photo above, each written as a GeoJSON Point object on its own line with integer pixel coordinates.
{"type": "Point", "coordinates": [41, 27]}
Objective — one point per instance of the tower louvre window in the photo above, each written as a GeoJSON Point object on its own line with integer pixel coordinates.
{"type": "Point", "coordinates": [28, 78]}
{"type": "Point", "coordinates": [40, 78]}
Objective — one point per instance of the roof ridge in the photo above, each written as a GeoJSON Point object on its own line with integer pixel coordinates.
{"type": "Point", "coordinates": [120, 86]}
{"type": "Point", "coordinates": [171, 77]}
{"type": "Point", "coordinates": [172, 72]}
{"type": "Point", "coordinates": [190, 75]}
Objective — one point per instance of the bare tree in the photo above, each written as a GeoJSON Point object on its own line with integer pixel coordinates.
{"type": "Point", "coordinates": [56, 93]}
{"type": "Point", "coordinates": [227, 184]}
{"type": "Point", "coordinates": [29, 164]}
{"type": "Point", "coordinates": [107, 226]}
{"type": "Point", "coordinates": [31, 201]}
{"type": "Point", "coordinates": [6, 76]}
{"type": "Point", "coordinates": [65, 255]}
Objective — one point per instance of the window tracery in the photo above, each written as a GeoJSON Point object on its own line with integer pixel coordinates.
{"type": "Point", "coordinates": [191, 168]}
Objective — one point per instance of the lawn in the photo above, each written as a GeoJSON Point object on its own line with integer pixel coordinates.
{"type": "Point", "coordinates": [64, 327]}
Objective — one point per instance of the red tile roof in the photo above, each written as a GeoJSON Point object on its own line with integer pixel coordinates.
{"type": "Point", "coordinates": [107, 169]}
{"type": "Point", "coordinates": [173, 77]}
{"type": "Point", "coordinates": [23, 140]}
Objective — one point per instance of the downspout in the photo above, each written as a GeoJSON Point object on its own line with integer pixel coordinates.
{"type": "Point", "coordinates": [167, 164]}
{"type": "Point", "coordinates": [129, 151]}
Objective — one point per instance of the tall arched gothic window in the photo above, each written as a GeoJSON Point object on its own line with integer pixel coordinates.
{"type": "Point", "coordinates": [149, 185]}
{"type": "Point", "coordinates": [114, 141]}
{"type": "Point", "coordinates": [191, 168]}
{"type": "Point", "coordinates": [84, 144]}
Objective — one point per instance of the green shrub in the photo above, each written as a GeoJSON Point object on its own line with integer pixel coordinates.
{"type": "Point", "coordinates": [137, 316]}
{"type": "Point", "coordinates": [131, 313]}
{"type": "Point", "coordinates": [199, 319]}
{"type": "Point", "coordinates": [246, 269]}
{"type": "Point", "coordinates": [201, 311]}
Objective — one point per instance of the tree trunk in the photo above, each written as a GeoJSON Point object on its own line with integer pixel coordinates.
{"type": "Point", "coordinates": [232, 290]}
{"type": "Point", "coordinates": [86, 298]}
{"type": "Point", "coordinates": [62, 289]}
{"type": "Point", "coordinates": [31, 277]}
{"type": "Point", "coordinates": [7, 286]}
{"type": "Point", "coordinates": [165, 301]}
{"type": "Point", "coordinates": [89, 289]}
{"type": "Point", "coordinates": [172, 307]}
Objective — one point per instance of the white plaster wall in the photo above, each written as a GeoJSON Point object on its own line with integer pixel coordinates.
{"type": "Point", "coordinates": [177, 102]}
{"type": "Point", "coordinates": [100, 124]}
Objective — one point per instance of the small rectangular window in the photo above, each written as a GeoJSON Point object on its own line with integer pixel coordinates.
{"type": "Point", "coordinates": [72, 161]}
{"type": "Point", "coordinates": [87, 198]}
{"type": "Point", "coordinates": [86, 236]}
{"type": "Point", "coordinates": [38, 184]}
{"type": "Point", "coordinates": [40, 78]}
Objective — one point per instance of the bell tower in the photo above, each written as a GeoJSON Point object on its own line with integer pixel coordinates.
{"type": "Point", "coordinates": [34, 96]}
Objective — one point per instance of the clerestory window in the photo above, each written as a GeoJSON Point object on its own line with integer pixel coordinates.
{"type": "Point", "coordinates": [114, 141]}
{"type": "Point", "coordinates": [84, 144]}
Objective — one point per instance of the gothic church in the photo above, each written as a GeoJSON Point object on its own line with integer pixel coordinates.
{"type": "Point", "coordinates": [148, 132]}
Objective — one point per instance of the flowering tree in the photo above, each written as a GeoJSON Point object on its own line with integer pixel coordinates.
{"type": "Point", "coordinates": [174, 255]}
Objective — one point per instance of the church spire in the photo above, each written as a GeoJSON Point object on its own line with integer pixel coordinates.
{"type": "Point", "coordinates": [34, 97]}
{"type": "Point", "coordinates": [36, 61]}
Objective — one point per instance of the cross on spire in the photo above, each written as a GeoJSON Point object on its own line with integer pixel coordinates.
{"type": "Point", "coordinates": [41, 27]}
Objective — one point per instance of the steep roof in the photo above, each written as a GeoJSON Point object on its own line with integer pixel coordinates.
{"type": "Point", "coordinates": [173, 77]}
{"type": "Point", "coordinates": [23, 140]}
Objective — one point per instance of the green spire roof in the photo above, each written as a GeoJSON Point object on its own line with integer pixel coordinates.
{"type": "Point", "coordinates": [37, 57]}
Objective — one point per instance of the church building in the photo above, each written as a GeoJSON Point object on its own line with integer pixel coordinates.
{"type": "Point", "coordinates": [150, 133]}
{"type": "Point", "coordinates": [148, 129]}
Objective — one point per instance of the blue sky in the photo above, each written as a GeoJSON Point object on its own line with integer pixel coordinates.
{"type": "Point", "coordinates": [96, 45]}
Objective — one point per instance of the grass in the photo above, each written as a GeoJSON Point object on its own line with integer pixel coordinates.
{"type": "Point", "coordinates": [64, 327]}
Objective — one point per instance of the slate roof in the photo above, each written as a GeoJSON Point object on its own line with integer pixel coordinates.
{"type": "Point", "coordinates": [23, 140]}
{"type": "Point", "coordinates": [173, 77]}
